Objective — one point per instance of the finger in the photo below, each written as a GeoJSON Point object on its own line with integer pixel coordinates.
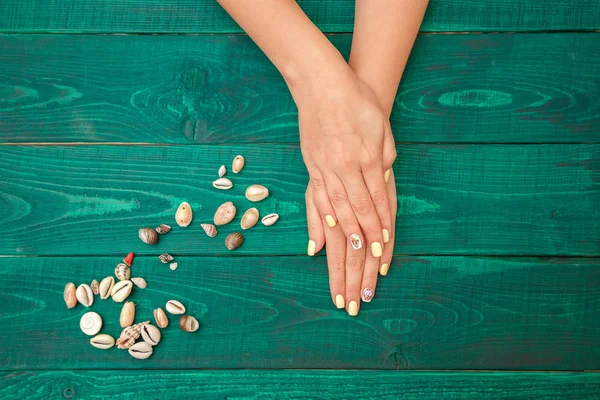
{"type": "Point", "coordinates": [336, 263]}
{"type": "Point", "coordinates": [364, 209]}
{"type": "Point", "coordinates": [316, 234]}
{"type": "Point", "coordinates": [369, 280]}
{"type": "Point", "coordinates": [355, 260]}
{"type": "Point", "coordinates": [321, 200]}
{"type": "Point", "coordinates": [378, 191]}
{"type": "Point", "coordinates": [388, 251]}
{"type": "Point", "coordinates": [344, 212]}
{"type": "Point", "coordinates": [389, 153]}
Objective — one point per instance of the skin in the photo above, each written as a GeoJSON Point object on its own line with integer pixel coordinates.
{"type": "Point", "coordinates": [343, 115]}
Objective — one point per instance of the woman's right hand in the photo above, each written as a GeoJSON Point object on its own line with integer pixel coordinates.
{"type": "Point", "coordinates": [342, 134]}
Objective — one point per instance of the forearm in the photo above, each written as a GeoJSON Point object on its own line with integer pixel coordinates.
{"type": "Point", "coordinates": [384, 33]}
{"type": "Point", "coordinates": [290, 40]}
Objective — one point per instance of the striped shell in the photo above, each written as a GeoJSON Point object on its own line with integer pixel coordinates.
{"type": "Point", "coordinates": [210, 229]}
{"type": "Point", "coordinates": [129, 335]}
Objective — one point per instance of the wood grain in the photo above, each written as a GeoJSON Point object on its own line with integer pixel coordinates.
{"type": "Point", "coordinates": [205, 16]}
{"type": "Point", "coordinates": [475, 199]}
{"type": "Point", "coordinates": [334, 384]}
{"type": "Point", "coordinates": [519, 88]}
{"type": "Point", "coordinates": [276, 312]}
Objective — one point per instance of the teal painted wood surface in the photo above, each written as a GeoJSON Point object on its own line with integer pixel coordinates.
{"type": "Point", "coordinates": [334, 385]}
{"type": "Point", "coordinates": [276, 312]}
{"type": "Point", "coordinates": [468, 199]}
{"type": "Point", "coordinates": [205, 16]}
{"type": "Point", "coordinates": [221, 89]}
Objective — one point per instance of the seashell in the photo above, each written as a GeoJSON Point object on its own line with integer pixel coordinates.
{"type": "Point", "coordinates": [237, 165]}
{"type": "Point", "coordinates": [90, 323]}
{"type": "Point", "coordinates": [148, 236]}
{"type": "Point", "coordinates": [257, 193]}
{"type": "Point", "coordinates": [184, 214]}
{"type": "Point", "coordinates": [139, 282]}
{"type": "Point", "coordinates": [174, 307]}
{"type": "Point", "coordinates": [127, 314]}
{"type": "Point", "coordinates": [210, 229]}
{"type": "Point", "coordinates": [95, 286]}
{"type": "Point", "coordinates": [129, 335]}
{"type": "Point", "coordinates": [85, 295]}
{"type": "Point", "coordinates": [151, 334]}
{"type": "Point", "coordinates": [222, 171]}
{"type": "Point", "coordinates": [122, 272]}
{"type": "Point", "coordinates": [234, 240]}
{"type": "Point", "coordinates": [102, 341]}
{"type": "Point", "coordinates": [121, 291]}
{"type": "Point", "coordinates": [141, 350]}
{"type": "Point", "coordinates": [173, 266]}
{"type": "Point", "coordinates": [70, 295]}
{"type": "Point", "coordinates": [161, 318]}
{"type": "Point", "coordinates": [249, 219]}
{"type": "Point", "coordinates": [223, 184]}
{"type": "Point", "coordinates": [165, 258]}
{"type": "Point", "coordinates": [187, 323]}
{"type": "Point", "coordinates": [224, 214]}
{"type": "Point", "coordinates": [106, 286]}
{"type": "Point", "coordinates": [163, 229]}
{"type": "Point", "coordinates": [128, 259]}
{"type": "Point", "coordinates": [270, 219]}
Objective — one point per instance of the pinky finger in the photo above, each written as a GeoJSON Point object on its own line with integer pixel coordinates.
{"type": "Point", "coordinates": [316, 234]}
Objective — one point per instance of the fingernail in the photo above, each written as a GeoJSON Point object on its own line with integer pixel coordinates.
{"type": "Point", "coordinates": [386, 176]}
{"type": "Point", "coordinates": [355, 241]}
{"type": "Point", "coordinates": [376, 249]}
{"type": "Point", "coordinates": [384, 269]}
{"type": "Point", "coordinates": [353, 308]}
{"type": "Point", "coordinates": [330, 221]}
{"type": "Point", "coordinates": [386, 235]}
{"type": "Point", "coordinates": [367, 294]}
{"type": "Point", "coordinates": [339, 301]}
{"type": "Point", "coordinates": [311, 247]}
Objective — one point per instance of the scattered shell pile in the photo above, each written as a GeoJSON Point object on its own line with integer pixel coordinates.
{"type": "Point", "coordinates": [91, 322]}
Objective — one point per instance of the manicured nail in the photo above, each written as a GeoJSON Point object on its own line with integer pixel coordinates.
{"type": "Point", "coordinates": [355, 241]}
{"type": "Point", "coordinates": [339, 301]}
{"type": "Point", "coordinates": [311, 247]}
{"type": "Point", "coordinates": [367, 294]}
{"type": "Point", "coordinates": [330, 221]}
{"type": "Point", "coordinates": [386, 235]}
{"type": "Point", "coordinates": [386, 176]}
{"type": "Point", "coordinates": [384, 269]}
{"type": "Point", "coordinates": [376, 249]}
{"type": "Point", "coordinates": [353, 308]}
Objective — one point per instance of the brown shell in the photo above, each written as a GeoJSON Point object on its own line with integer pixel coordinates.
{"type": "Point", "coordinates": [234, 240]}
{"type": "Point", "coordinates": [210, 229]}
{"type": "Point", "coordinates": [69, 295]}
{"type": "Point", "coordinates": [161, 318]}
{"type": "Point", "coordinates": [187, 323]}
{"type": "Point", "coordinates": [163, 229]}
{"type": "Point", "coordinates": [122, 272]}
{"type": "Point", "coordinates": [224, 214]}
{"type": "Point", "coordinates": [95, 286]}
{"type": "Point", "coordinates": [165, 258]}
{"type": "Point", "coordinates": [129, 335]}
{"type": "Point", "coordinates": [148, 236]}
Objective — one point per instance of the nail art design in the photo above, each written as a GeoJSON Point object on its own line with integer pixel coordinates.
{"type": "Point", "coordinates": [355, 241]}
{"type": "Point", "coordinates": [367, 294]}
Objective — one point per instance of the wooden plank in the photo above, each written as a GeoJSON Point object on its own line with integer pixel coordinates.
{"type": "Point", "coordinates": [205, 16]}
{"type": "Point", "coordinates": [335, 384]}
{"type": "Point", "coordinates": [276, 312]}
{"type": "Point", "coordinates": [475, 199]}
{"type": "Point", "coordinates": [222, 89]}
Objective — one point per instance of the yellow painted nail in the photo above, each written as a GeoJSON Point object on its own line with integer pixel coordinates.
{"type": "Point", "coordinates": [311, 247]}
{"type": "Point", "coordinates": [384, 269]}
{"type": "Point", "coordinates": [339, 301]}
{"type": "Point", "coordinates": [330, 221]}
{"type": "Point", "coordinates": [376, 249]}
{"type": "Point", "coordinates": [386, 176]}
{"type": "Point", "coordinates": [386, 235]}
{"type": "Point", "coordinates": [353, 308]}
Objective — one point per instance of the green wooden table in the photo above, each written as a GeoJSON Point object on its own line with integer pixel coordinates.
{"type": "Point", "coordinates": [114, 112]}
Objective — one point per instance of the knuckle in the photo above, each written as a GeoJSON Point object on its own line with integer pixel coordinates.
{"type": "Point", "coordinates": [379, 197]}
{"type": "Point", "coordinates": [338, 198]}
{"type": "Point", "coordinates": [317, 183]}
{"type": "Point", "coordinates": [363, 206]}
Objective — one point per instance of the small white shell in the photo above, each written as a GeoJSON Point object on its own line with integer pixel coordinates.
{"type": "Point", "coordinates": [173, 266]}
{"type": "Point", "coordinates": [184, 214]}
{"type": "Point", "coordinates": [102, 341]}
{"type": "Point", "coordinates": [140, 350]}
{"type": "Point", "coordinates": [270, 219]}
{"type": "Point", "coordinates": [139, 282]}
{"type": "Point", "coordinates": [238, 164]}
{"type": "Point", "coordinates": [174, 307]}
{"type": "Point", "coordinates": [90, 323]}
{"type": "Point", "coordinates": [106, 286]}
{"type": "Point", "coordinates": [223, 184]}
{"type": "Point", "coordinates": [222, 171]}
{"type": "Point", "coordinates": [257, 193]}
{"type": "Point", "coordinates": [85, 295]}
{"type": "Point", "coordinates": [151, 334]}
{"type": "Point", "coordinates": [121, 291]}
